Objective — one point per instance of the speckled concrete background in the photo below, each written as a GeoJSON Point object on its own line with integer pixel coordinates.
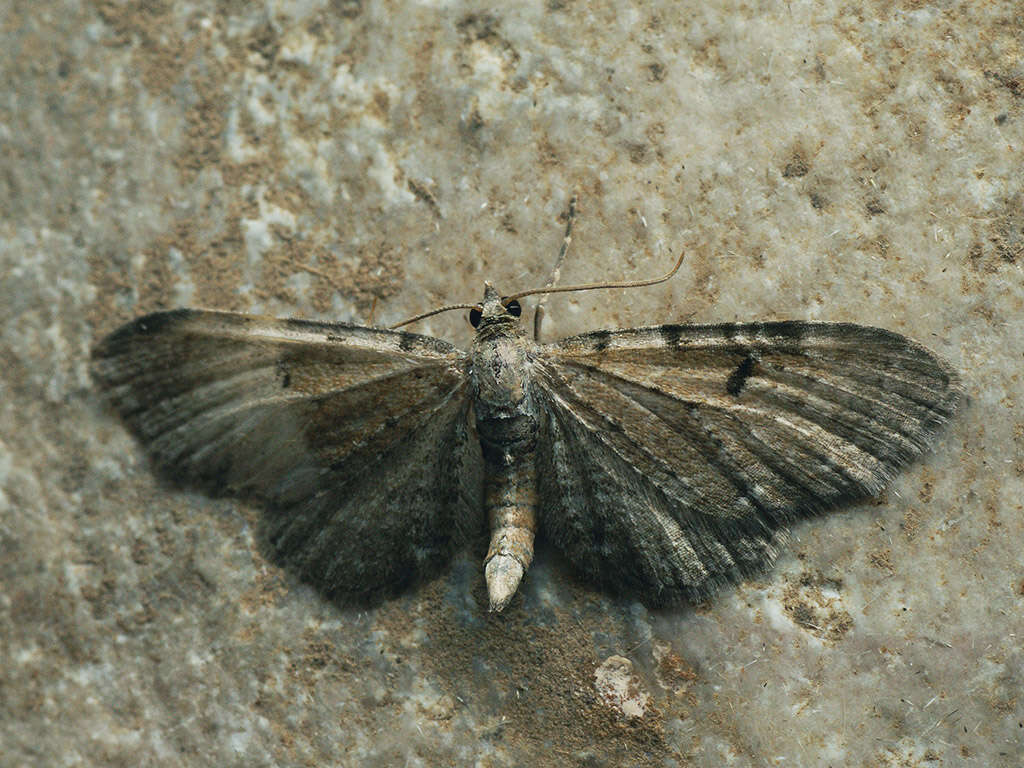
{"type": "Point", "coordinates": [364, 161]}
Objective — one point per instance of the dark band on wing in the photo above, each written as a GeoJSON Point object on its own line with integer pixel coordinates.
{"type": "Point", "coordinates": [738, 378]}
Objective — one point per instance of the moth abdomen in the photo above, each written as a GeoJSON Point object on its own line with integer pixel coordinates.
{"type": "Point", "coordinates": [510, 500]}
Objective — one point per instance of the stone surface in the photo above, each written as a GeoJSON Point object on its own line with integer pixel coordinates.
{"type": "Point", "coordinates": [365, 161]}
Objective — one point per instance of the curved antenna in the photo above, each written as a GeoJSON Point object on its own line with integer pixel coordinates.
{"type": "Point", "coordinates": [547, 289]}
{"type": "Point", "coordinates": [594, 286]}
{"type": "Point", "coordinates": [431, 313]}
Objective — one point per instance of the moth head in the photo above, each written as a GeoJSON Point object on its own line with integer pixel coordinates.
{"type": "Point", "coordinates": [494, 309]}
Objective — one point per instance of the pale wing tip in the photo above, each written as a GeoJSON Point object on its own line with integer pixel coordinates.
{"type": "Point", "coordinates": [503, 574]}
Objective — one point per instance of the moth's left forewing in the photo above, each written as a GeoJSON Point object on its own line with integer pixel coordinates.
{"type": "Point", "coordinates": [197, 384]}
{"type": "Point", "coordinates": [728, 432]}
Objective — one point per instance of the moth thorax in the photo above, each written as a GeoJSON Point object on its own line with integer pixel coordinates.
{"type": "Point", "coordinates": [501, 376]}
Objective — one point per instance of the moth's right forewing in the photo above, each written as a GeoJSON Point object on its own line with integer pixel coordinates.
{"type": "Point", "coordinates": [358, 439]}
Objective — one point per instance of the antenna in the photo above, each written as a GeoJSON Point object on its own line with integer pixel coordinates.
{"type": "Point", "coordinates": [551, 286]}
{"type": "Point", "coordinates": [431, 313]}
{"type": "Point", "coordinates": [549, 289]}
{"type": "Point", "coordinates": [595, 286]}
{"type": "Point", "coordinates": [556, 271]}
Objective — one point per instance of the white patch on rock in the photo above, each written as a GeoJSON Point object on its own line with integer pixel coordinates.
{"type": "Point", "coordinates": [620, 688]}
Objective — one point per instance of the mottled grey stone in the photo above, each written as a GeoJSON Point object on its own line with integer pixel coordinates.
{"type": "Point", "coordinates": [356, 161]}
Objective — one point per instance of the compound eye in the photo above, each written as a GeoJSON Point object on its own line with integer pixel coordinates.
{"type": "Point", "coordinates": [513, 308]}
{"type": "Point", "coordinates": [475, 314]}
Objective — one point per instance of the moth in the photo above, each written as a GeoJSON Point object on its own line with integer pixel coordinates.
{"type": "Point", "coordinates": [663, 461]}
